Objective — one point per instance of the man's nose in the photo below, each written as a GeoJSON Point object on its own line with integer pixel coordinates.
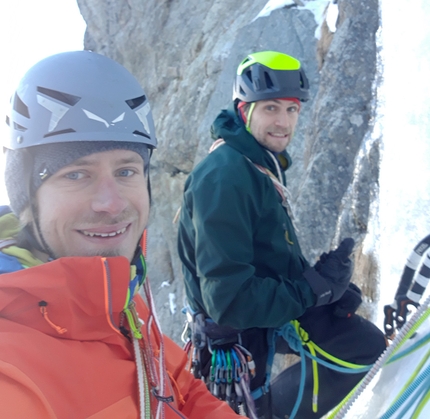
{"type": "Point", "coordinates": [107, 197]}
{"type": "Point", "coordinates": [283, 120]}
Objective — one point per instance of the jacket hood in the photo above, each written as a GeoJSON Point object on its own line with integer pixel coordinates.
{"type": "Point", "coordinates": [228, 126]}
{"type": "Point", "coordinates": [85, 296]}
{"type": "Point", "coordinates": [12, 257]}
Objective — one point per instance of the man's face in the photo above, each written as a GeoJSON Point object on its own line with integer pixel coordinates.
{"type": "Point", "coordinates": [273, 122]}
{"type": "Point", "coordinates": [96, 206]}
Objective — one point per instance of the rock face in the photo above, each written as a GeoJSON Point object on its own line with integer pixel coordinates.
{"type": "Point", "coordinates": [185, 54]}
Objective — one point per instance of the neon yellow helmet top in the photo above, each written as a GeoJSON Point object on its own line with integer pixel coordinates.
{"type": "Point", "coordinates": [270, 75]}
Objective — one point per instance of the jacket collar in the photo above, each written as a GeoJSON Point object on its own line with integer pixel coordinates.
{"type": "Point", "coordinates": [85, 296]}
{"type": "Point", "coordinates": [228, 126]}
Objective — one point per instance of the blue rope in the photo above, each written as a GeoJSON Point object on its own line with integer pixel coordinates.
{"type": "Point", "coordinates": [334, 367]}
{"type": "Point", "coordinates": [290, 335]}
{"type": "Point", "coordinates": [410, 349]}
{"type": "Point", "coordinates": [421, 392]}
{"type": "Point", "coordinates": [424, 377]}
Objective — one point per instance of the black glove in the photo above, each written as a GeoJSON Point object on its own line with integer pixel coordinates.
{"type": "Point", "coordinates": [349, 302]}
{"type": "Point", "coordinates": [330, 276]}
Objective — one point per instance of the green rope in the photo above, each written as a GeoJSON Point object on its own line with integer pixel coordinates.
{"type": "Point", "coordinates": [391, 358]}
{"type": "Point", "coordinates": [412, 377]}
{"type": "Point", "coordinates": [421, 405]}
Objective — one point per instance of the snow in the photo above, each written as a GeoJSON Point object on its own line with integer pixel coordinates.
{"type": "Point", "coordinates": [404, 97]}
{"type": "Point", "coordinates": [273, 5]}
{"type": "Point", "coordinates": [331, 17]}
{"type": "Point", "coordinates": [400, 217]}
{"type": "Point", "coordinates": [317, 7]}
{"type": "Point", "coordinates": [172, 303]}
{"type": "Point", "coordinates": [396, 390]}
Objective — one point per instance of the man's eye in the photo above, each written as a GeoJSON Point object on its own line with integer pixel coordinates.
{"type": "Point", "coordinates": [293, 109]}
{"type": "Point", "coordinates": [126, 172]}
{"type": "Point", "coordinates": [270, 108]}
{"type": "Point", "coordinates": [74, 175]}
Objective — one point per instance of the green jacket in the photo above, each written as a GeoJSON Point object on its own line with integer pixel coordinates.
{"type": "Point", "coordinates": [241, 259]}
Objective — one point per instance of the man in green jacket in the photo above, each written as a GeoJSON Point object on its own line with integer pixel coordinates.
{"type": "Point", "coordinates": [243, 267]}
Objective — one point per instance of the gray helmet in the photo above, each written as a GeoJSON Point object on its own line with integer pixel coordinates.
{"type": "Point", "coordinates": [67, 106]}
{"type": "Point", "coordinates": [79, 96]}
{"type": "Point", "coordinates": [270, 75]}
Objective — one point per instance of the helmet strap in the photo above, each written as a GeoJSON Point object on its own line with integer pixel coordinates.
{"type": "Point", "coordinates": [43, 245]}
{"type": "Point", "coordinates": [248, 117]}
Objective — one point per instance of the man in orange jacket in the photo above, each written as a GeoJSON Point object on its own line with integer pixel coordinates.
{"type": "Point", "coordinates": [76, 338]}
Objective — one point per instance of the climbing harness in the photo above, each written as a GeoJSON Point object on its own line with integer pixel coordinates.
{"type": "Point", "coordinates": [410, 290]}
{"type": "Point", "coordinates": [232, 366]}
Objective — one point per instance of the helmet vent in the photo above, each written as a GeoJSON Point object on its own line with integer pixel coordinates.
{"type": "Point", "coordinates": [249, 76]}
{"type": "Point", "coordinates": [20, 107]}
{"type": "Point", "coordinates": [59, 132]}
{"type": "Point", "coordinates": [136, 102]}
{"type": "Point", "coordinates": [136, 132]}
{"type": "Point", "coordinates": [19, 127]}
{"type": "Point", "coordinates": [66, 98]}
{"type": "Point", "coordinates": [268, 80]}
{"type": "Point", "coordinates": [302, 82]}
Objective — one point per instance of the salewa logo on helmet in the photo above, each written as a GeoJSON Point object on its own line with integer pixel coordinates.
{"type": "Point", "coordinates": [58, 110]}
{"type": "Point", "coordinates": [95, 117]}
{"type": "Point", "coordinates": [142, 114]}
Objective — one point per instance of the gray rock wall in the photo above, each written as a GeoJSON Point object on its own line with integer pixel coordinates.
{"type": "Point", "coordinates": [185, 53]}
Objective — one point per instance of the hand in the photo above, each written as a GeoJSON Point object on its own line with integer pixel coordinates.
{"type": "Point", "coordinates": [330, 276]}
{"type": "Point", "coordinates": [348, 304]}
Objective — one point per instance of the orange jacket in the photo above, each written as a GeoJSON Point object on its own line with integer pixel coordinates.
{"type": "Point", "coordinates": [88, 371]}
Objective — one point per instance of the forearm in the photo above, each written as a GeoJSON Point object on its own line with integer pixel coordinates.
{"type": "Point", "coordinates": [255, 302]}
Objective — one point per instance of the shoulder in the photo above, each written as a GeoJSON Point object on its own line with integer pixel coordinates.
{"type": "Point", "coordinates": [223, 164]}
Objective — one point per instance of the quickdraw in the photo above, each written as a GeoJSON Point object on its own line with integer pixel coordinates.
{"type": "Point", "coordinates": [231, 365]}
